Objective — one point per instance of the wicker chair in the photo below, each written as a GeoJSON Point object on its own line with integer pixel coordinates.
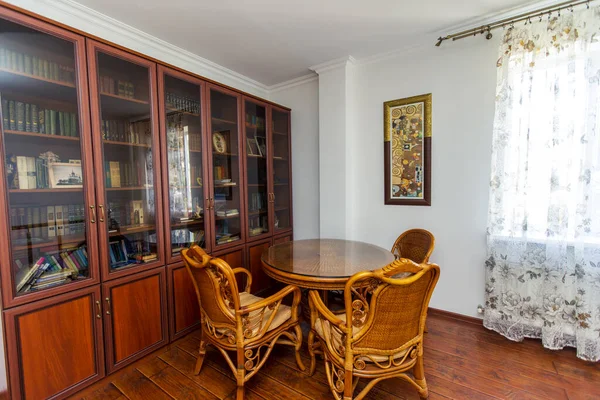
{"type": "Point", "coordinates": [379, 335]}
{"type": "Point", "coordinates": [240, 322]}
{"type": "Point", "coordinates": [414, 244]}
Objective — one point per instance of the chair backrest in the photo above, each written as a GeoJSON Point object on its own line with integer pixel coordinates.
{"type": "Point", "coordinates": [387, 308]}
{"type": "Point", "coordinates": [414, 244]}
{"type": "Point", "coordinates": [214, 279]}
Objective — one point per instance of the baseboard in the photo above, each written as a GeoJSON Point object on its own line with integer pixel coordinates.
{"type": "Point", "coordinates": [458, 317]}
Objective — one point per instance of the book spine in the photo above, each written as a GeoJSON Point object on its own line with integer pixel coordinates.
{"type": "Point", "coordinates": [35, 61]}
{"type": "Point", "coordinates": [31, 174]}
{"type": "Point", "coordinates": [2, 57]}
{"type": "Point", "coordinates": [60, 130]}
{"type": "Point", "coordinates": [47, 124]}
{"type": "Point", "coordinates": [45, 69]}
{"type": "Point", "coordinates": [44, 223]}
{"type": "Point", "coordinates": [74, 129]}
{"type": "Point", "coordinates": [60, 228]}
{"type": "Point", "coordinates": [53, 122]}
{"type": "Point", "coordinates": [34, 118]}
{"type": "Point", "coordinates": [66, 228]}
{"type": "Point", "coordinates": [5, 120]}
{"type": "Point", "coordinates": [22, 172]}
{"type": "Point", "coordinates": [27, 64]}
{"type": "Point", "coordinates": [20, 62]}
{"type": "Point", "coordinates": [20, 110]}
{"type": "Point", "coordinates": [67, 123]}
{"type": "Point", "coordinates": [42, 121]}
{"type": "Point", "coordinates": [37, 229]}
{"type": "Point", "coordinates": [27, 117]}
{"type": "Point", "coordinates": [51, 221]}
{"type": "Point", "coordinates": [12, 115]}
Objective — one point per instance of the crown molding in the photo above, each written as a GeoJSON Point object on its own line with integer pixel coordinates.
{"type": "Point", "coordinates": [93, 22]}
{"type": "Point", "coordinates": [333, 64]}
{"type": "Point", "coordinates": [293, 82]}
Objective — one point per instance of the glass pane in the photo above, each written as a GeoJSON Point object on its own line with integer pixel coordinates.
{"type": "Point", "coordinates": [184, 154]}
{"type": "Point", "coordinates": [226, 167]}
{"type": "Point", "coordinates": [256, 169]}
{"type": "Point", "coordinates": [126, 128]}
{"type": "Point", "coordinates": [281, 169]}
{"type": "Point", "coordinates": [43, 158]}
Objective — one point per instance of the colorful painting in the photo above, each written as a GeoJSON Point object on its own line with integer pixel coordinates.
{"type": "Point", "coordinates": [407, 146]}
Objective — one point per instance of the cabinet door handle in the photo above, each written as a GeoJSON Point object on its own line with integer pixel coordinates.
{"type": "Point", "coordinates": [273, 197]}
{"type": "Point", "coordinates": [101, 208]}
{"type": "Point", "coordinates": [211, 204]}
{"type": "Point", "coordinates": [99, 315]}
{"type": "Point", "coordinates": [93, 221]}
{"type": "Point", "coordinates": [108, 303]}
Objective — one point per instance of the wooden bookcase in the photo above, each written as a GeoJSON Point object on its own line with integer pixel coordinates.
{"type": "Point", "coordinates": [113, 164]}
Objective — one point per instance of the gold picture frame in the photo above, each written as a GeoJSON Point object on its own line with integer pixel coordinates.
{"type": "Point", "coordinates": [407, 150]}
{"type": "Point", "coordinates": [219, 143]}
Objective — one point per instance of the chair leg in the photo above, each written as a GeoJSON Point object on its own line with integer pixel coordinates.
{"type": "Point", "coordinates": [298, 347]}
{"type": "Point", "coordinates": [311, 351]}
{"type": "Point", "coordinates": [348, 386]}
{"type": "Point", "coordinates": [240, 384]}
{"type": "Point", "coordinates": [201, 355]}
{"type": "Point", "coordinates": [419, 373]}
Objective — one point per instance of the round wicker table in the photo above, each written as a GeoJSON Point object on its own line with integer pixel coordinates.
{"type": "Point", "coordinates": [324, 264]}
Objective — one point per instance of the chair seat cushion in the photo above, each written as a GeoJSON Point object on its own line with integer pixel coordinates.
{"type": "Point", "coordinates": [284, 313]}
{"type": "Point", "coordinates": [326, 332]}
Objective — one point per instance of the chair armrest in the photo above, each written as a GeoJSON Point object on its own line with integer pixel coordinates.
{"type": "Point", "coordinates": [253, 315]}
{"type": "Point", "coordinates": [320, 310]}
{"type": "Point", "coordinates": [248, 276]}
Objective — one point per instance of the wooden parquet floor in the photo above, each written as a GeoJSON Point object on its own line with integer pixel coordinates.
{"type": "Point", "coordinates": [462, 361]}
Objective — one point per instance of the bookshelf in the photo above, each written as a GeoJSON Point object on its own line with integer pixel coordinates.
{"type": "Point", "coordinates": [106, 181]}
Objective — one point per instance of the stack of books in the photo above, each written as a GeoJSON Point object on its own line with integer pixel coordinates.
{"type": "Point", "coordinates": [52, 269]}
{"type": "Point", "coordinates": [227, 238]}
{"type": "Point", "coordinates": [36, 66]}
{"type": "Point", "coordinates": [26, 117]}
{"type": "Point", "coordinates": [228, 213]}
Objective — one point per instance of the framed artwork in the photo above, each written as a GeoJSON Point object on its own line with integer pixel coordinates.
{"type": "Point", "coordinates": [252, 148]}
{"type": "Point", "coordinates": [65, 175]}
{"type": "Point", "coordinates": [407, 151]}
{"type": "Point", "coordinates": [219, 142]}
{"type": "Point", "coordinates": [261, 141]}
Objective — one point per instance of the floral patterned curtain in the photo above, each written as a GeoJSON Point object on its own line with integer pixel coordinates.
{"type": "Point", "coordinates": [543, 270]}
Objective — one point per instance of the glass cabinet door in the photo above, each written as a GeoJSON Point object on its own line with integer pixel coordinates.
{"type": "Point", "coordinates": [49, 179]}
{"type": "Point", "coordinates": [181, 106]}
{"type": "Point", "coordinates": [226, 167]}
{"type": "Point", "coordinates": [126, 137]}
{"type": "Point", "coordinates": [282, 190]}
{"type": "Point", "coordinates": [256, 169]}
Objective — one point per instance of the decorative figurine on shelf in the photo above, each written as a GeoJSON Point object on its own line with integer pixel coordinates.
{"type": "Point", "coordinates": [11, 171]}
{"type": "Point", "coordinates": [50, 157]}
{"type": "Point", "coordinates": [199, 181]}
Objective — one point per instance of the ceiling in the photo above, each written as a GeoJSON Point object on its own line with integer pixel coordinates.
{"type": "Point", "coordinates": [272, 41]}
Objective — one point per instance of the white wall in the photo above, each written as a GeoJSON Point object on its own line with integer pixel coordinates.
{"type": "Point", "coordinates": [461, 77]}
{"type": "Point", "coordinates": [304, 102]}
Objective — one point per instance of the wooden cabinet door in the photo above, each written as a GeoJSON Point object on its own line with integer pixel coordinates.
{"type": "Point", "coordinates": [184, 311]}
{"type": "Point", "coordinates": [282, 239]}
{"type": "Point", "coordinates": [55, 345]}
{"type": "Point", "coordinates": [236, 258]}
{"type": "Point", "coordinates": [281, 162]}
{"type": "Point", "coordinates": [260, 280]}
{"type": "Point", "coordinates": [127, 160]}
{"type": "Point", "coordinates": [135, 317]}
{"type": "Point", "coordinates": [47, 224]}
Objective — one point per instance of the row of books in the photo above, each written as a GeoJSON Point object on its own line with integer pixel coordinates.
{"type": "Point", "coordinates": [182, 103]}
{"type": "Point", "coordinates": [228, 213]}
{"type": "Point", "coordinates": [36, 66]}
{"type": "Point", "coordinates": [124, 252]}
{"type": "Point", "coordinates": [179, 135]}
{"type": "Point", "coordinates": [259, 122]}
{"type": "Point", "coordinates": [125, 174]}
{"type": "Point", "coordinates": [47, 221]}
{"type": "Point", "coordinates": [139, 132]}
{"type": "Point", "coordinates": [25, 117]}
{"type": "Point", "coordinates": [125, 213]}
{"type": "Point", "coordinates": [52, 269]}
{"type": "Point", "coordinates": [119, 87]}
{"type": "Point", "coordinates": [220, 172]}
{"type": "Point", "coordinates": [227, 238]}
{"type": "Point", "coordinates": [257, 202]}
{"type": "Point", "coordinates": [26, 172]}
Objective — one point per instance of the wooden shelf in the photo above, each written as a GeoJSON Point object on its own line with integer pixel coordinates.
{"type": "Point", "coordinates": [279, 133]}
{"type": "Point", "coordinates": [279, 159]}
{"type": "Point", "coordinates": [255, 156]}
{"type": "Point", "coordinates": [223, 121]}
{"type": "Point", "coordinates": [224, 154]}
{"type": "Point", "coordinates": [117, 189]}
{"type": "Point", "coordinates": [176, 111]}
{"type": "Point", "coordinates": [257, 184]}
{"type": "Point", "coordinates": [258, 212]}
{"type": "Point", "coordinates": [126, 230]}
{"type": "Point", "coordinates": [185, 187]}
{"type": "Point", "coordinates": [225, 186]}
{"type": "Point", "coordinates": [61, 240]}
{"type": "Point", "coordinates": [35, 77]}
{"type": "Point", "coordinates": [66, 190]}
{"type": "Point", "coordinates": [188, 223]}
{"type": "Point", "coordinates": [41, 135]}
{"type": "Point", "coordinates": [281, 208]}
{"type": "Point", "coordinates": [117, 143]}
{"type": "Point", "coordinates": [20, 83]}
{"type": "Point", "coordinates": [227, 217]}
{"type": "Point", "coordinates": [281, 184]}
{"type": "Point", "coordinates": [121, 106]}
{"type": "Point", "coordinates": [191, 151]}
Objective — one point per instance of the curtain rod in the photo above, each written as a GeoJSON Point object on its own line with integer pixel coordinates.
{"type": "Point", "coordinates": [539, 13]}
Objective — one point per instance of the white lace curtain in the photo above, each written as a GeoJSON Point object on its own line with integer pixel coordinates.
{"type": "Point", "coordinates": [543, 267]}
